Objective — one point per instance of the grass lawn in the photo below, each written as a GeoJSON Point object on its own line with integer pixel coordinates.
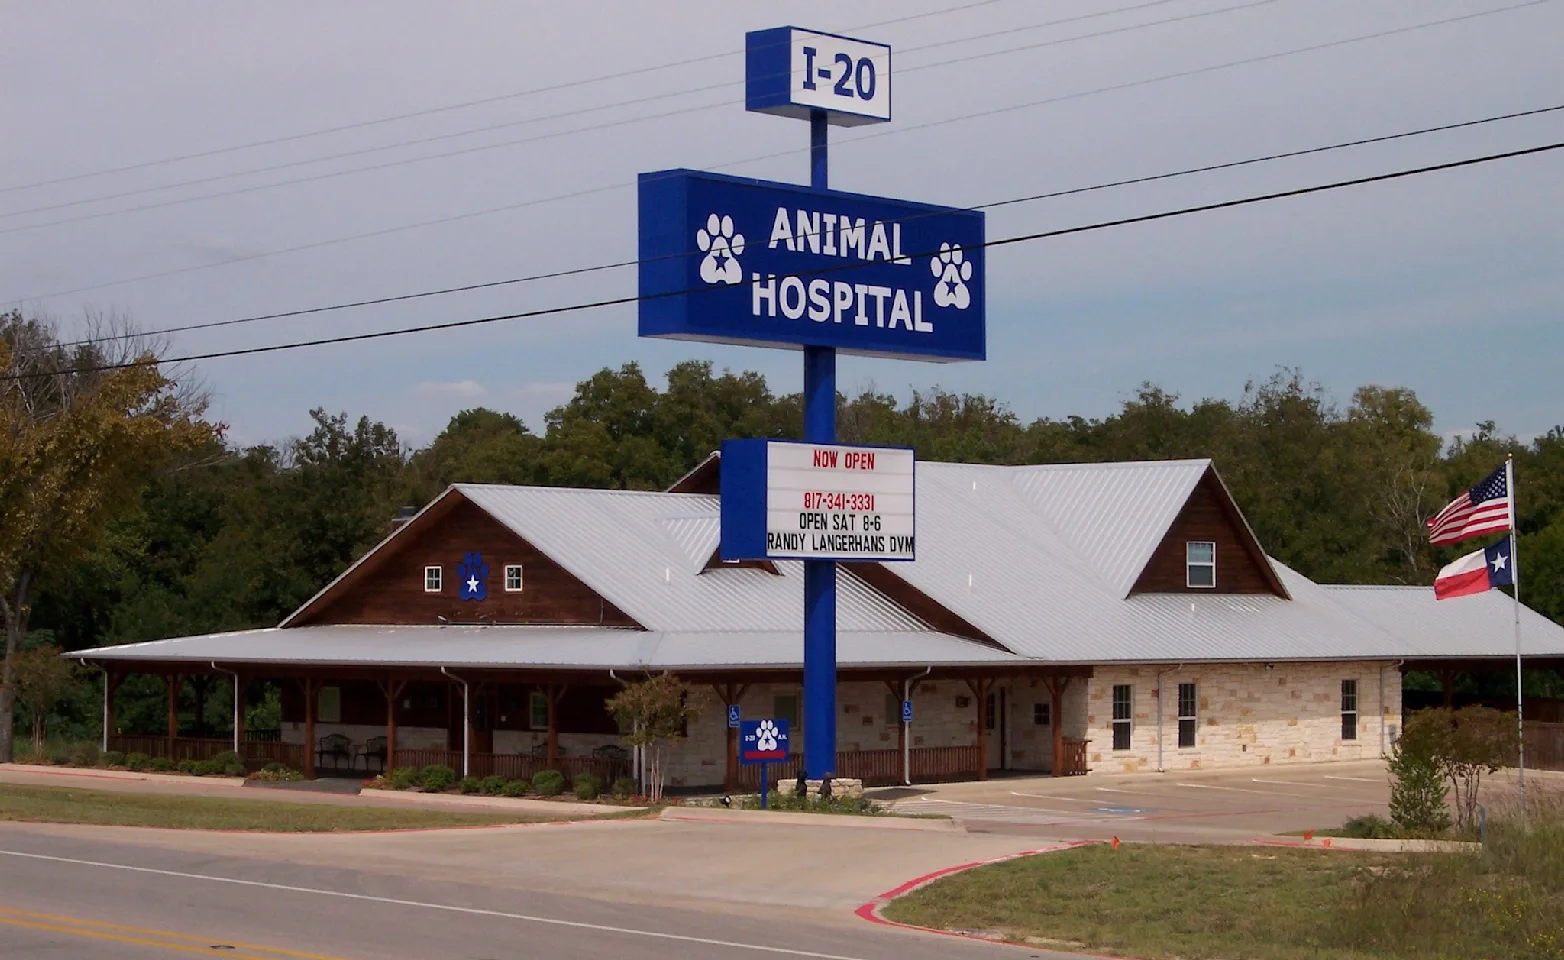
{"type": "Point", "coordinates": [70, 805]}
{"type": "Point", "coordinates": [1158, 902]}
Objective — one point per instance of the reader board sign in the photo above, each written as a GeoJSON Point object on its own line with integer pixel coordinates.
{"type": "Point", "coordinates": [763, 741]}
{"type": "Point", "coordinates": [788, 500]}
{"type": "Point", "coordinates": [758, 263]}
{"type": "Point", "coordinates": [792, 72]}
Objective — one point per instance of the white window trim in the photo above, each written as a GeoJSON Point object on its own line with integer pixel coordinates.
{"type": "Point", "coordinates": [520, 579]}
{"type": "Point", "coordinates": [1356, 713]}
{"type": "Point", "coordinates": [439, 579]}
{"type": "Point", "coordinates": [1193, 716]}
{"type": "Point", "coordinates": [1190, 565]}
{"type": "Point", "coordinates": [1128, 722]}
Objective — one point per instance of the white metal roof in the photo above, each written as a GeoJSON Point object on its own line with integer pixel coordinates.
{"type": "Point", "coordinates": [550, 648]}
{"type": "Point", "coordinates": [1481, 625]}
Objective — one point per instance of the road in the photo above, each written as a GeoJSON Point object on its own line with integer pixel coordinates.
{"type": "Point", "coordinates": [84, 897]}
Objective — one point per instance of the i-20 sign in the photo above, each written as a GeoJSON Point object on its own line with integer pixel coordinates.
{"type": "Point", "coordinates": [792, 72]}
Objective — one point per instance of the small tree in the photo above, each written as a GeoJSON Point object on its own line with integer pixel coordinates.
{"type": "Point", "coordinates": [1465, 745]}
{"type": "Point", "coordinates": [1418, 789]}
{"type": "Point", "coordinates": [655, 713]}
{"type": "Point", "coordinates": [43, 679]}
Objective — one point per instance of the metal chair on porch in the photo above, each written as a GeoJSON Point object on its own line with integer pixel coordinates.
{"type": "Point", "coordinates": [336, 746]}
{"type": "Point", "coordinates": [616, 759]}
{"type": "Point", "coordinates": [374, 749]}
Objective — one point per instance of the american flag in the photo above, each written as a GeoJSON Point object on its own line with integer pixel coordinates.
{"type": "Point", "coordinates": [1482, 509]}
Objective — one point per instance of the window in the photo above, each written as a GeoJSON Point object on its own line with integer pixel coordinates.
{"type": "Point", "coordinates": [537, 712]}
{"type": "Point", "coordinates": [1187, 702]}
{"type": "Point", "coordinates": [1200, 567]}
{"type": "Point", "coordinates": [1349, 709]}
{"type": "Point", "coordinates": [785, 707]}
{"type": "Point", "coordinates": [1040, 715]}
{"type": "Point", "coordinates": [328, 705]}
{"type": "Point", "coordinates": [432, 579]}
{"type": "Point", "coordinates": [513, 578]}
{"type": "Point", "coordinates": [990, 711]}
{"type": "Point", "coordinates": [1123, 714]}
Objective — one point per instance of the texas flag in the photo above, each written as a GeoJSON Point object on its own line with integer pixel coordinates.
{"type": "Point", "coordinates": [1477, 572]}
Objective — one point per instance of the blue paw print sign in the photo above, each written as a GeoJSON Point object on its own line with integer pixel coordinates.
{"type": "Point", "coordinates": [472, 576]}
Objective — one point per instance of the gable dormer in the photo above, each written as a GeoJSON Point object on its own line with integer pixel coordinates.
{"type": "Point", "coordinates": [1209, 548]}
{"type": "Point", "coordinates": [424, 575]}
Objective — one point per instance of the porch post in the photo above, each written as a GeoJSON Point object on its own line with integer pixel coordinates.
{"type": "Point", "coordinates": [239, 688]}
{"type": "Point", "coordinates": [309, 727]}
{"type": "Point", "coordinates": [730, 694]}
{"type": "Point", "coordinates": [393, 692]}
{"type": "Point", "coordinates": [173, 681]}
{"type": "Point", "coordinates": [553, 694]}
{"type": "Point", "coordinates": [1056, 687]}
{"type": "Point", "coordinates": [108, 711]}
{"type": "Point", "coordinates": [980, 690]}
{"type": "Point", "coordinates": [466, 730]}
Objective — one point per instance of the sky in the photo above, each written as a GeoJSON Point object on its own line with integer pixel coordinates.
{"type": "Point", "coordinates": [1447, 283]}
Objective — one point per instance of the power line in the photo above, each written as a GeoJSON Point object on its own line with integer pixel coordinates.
{"type": "Point", "coordinates": [554, 135]}
{"type": "Point", "coordinates": [589, 191]}
{"type": "Point", "coordinates": [619, 264]}
{"type": "Point", "coordinates": [430, 111]}
{"type": "Point", "coordinates": [619, 301]}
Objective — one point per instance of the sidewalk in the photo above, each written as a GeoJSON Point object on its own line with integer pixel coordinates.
{"type": "Point", "coordinates": [235, 789]}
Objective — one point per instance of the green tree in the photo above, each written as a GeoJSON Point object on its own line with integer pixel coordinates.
{"type": "Point", "coordinates": [43, 679]}
{"type": "Point", "coordinates": [77, 443]}
{"type": "Point", "coordinates": [655, 714]}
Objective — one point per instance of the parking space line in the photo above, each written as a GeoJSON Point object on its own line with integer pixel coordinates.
{"type": "Point", "coordinates": [1380, 781]}
{"type": "Point", "coordinates": [1212, 786]}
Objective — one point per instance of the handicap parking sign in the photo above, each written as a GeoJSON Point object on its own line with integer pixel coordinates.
{"type": "Point", "coordinates": [733, 715]}
{"type": "Point", "coordinates": [906, 711]}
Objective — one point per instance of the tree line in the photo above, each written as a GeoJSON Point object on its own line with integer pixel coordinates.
{"type": "Point", "coordinates": [126, 515]}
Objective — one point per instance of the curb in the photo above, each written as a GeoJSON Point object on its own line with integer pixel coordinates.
{"type": "Point", "coordinates": [122, 775]}
{"type": "Point", "coordinates": [871, 911]}
{"type": "Point", "coordinates": [1364, 845]}
{"type": "Point", "coordinates": [788, 818]}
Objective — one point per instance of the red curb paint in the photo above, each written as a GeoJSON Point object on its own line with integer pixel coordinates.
{"type": "Point", "coordinates": [871, 911]}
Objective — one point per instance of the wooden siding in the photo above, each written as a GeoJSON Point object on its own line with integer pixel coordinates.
{"type": "Point", "coordinates": [1209, 516]}
{"type": "Point", "coordinates": [391, 590]}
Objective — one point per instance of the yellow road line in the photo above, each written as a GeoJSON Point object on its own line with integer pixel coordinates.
{"type": "Point", "coordinates": [123, 933]}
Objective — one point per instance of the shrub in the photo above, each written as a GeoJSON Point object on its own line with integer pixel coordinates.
{"type": "Point", "coordinates": [188, 766]}
{"type": "Point", "coordinates": [587, 786]}
{"type": "Point", "coordinates": [624, 788]}
{"type": "Point", "coordinates": [470, 785]}
{"type": "Point", "coordinates": [226, 758]}
{"type": "Point", "coordinates": [162, 765]}
{"type": "Point", "coordinates": [1370, 828]}
{"type": "Point", "coordinates": [83, 755]}
{"type": "Point", "coordinates": [58, 754]}
{"type": "Point", "coordinates": [491, 786]}
{"type": "Point", "coordinates": [112, 758]}
{"type": "Point", "coordinates": [137, 761]}
{"type": "Point", "coordinates": [548, 783]}
{"type": "Point", "coordinates": [276, 773]}
{"type": "Point", "coordinates": [403, 778]}
{"type": "Point", "coordinates": [437, 778]}
{"type": "Point", "coordinates": [1417, 788]}
{"type": "Point", "coordinates": [516, 788]}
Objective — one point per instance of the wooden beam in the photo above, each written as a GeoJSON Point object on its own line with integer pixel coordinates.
{"type": "Point", "coordinates": [980, 687]}
{"type": "Point", "coordinates": [310, 687]}
{"type": "Point", "coordinates": [553, 695]}
{"type": "Point", "coordinates": [173, 682]}
{"type": "Point", "coordinates": [392, 688]}
{"type": "Point", "coordinates": [241, 685]}
{"type": "Point", "coordinates": [1056, 687]}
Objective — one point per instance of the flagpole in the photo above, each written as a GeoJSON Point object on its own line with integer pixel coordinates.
{"type": "Point", "coordinates": [1520, 679]}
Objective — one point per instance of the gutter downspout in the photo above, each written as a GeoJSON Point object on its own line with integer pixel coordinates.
{"type": "Point", "coordinates": [238, 704]}
{"type": "Point", "coordinates": [906, 736]}
{"type": "Point", "coordinates": [1398, 664]}
{"type": "Point", "coordinates": [466, 720]}
{"type": "Point", "coordinates": [1160, 675]}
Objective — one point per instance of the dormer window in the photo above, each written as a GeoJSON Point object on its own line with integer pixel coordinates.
{"type": "Point", "coordinates": [433, 578]}
{"type": "Point", "coordinates": [1200, 564]}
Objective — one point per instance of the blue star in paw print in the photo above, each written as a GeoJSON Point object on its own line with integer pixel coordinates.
{"type": "Point", "coordinates": [471, 576]}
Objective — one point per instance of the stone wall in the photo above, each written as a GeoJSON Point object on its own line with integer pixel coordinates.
{"type": "Point", "coordinates": [1248, 714]}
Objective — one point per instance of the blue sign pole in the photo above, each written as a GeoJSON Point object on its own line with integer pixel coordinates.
{"type": "Point", "coordinates": [819, 575]}
{"type": "Point", "coordinates": [765, 777]}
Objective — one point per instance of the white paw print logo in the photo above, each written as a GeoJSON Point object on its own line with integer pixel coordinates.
{"type": "Point", "coordinates": [722, 247]}
{"type": "Point", "coordinates": [953, 269]}
{"type": "Point", "coordinates": [766, 736]}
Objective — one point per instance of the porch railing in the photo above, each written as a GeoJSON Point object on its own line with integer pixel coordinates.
{"type": "Point", "coordinates": [513, 766]}
{"type": "Point", "coordinates": [1074, 757]}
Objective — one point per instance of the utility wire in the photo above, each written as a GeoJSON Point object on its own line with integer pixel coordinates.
{"type": "Point", "coordinates": [553, 135]}
{"type": "Point", "coordinates": [619, 301]}
{"type": "Point", "coordinates": [589, 191]}
{"type": "Point", "coordinates": [620, 264]}
{"type": "Point", "coordinates": [430, 111]}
